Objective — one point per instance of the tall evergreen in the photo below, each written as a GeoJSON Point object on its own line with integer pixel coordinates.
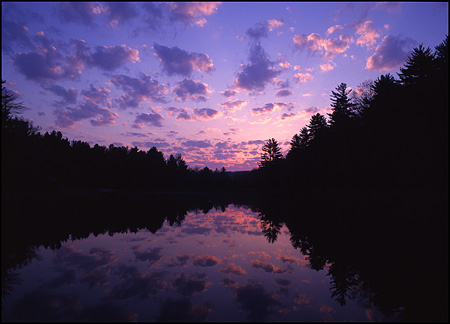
{"type": "Point", "coordinates": [341, 105]}
{"type": "Point", "coordinates": [418, 66]}
{"type": "Point", "coordinates": [317, 126]}
{"type": "Point", "coordinates": [271, 153]}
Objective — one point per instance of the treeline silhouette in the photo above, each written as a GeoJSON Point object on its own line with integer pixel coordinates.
{"type": "Point", "coordinates": [386, 133]}
{"type": "Point", "coordinates": [32, 160]}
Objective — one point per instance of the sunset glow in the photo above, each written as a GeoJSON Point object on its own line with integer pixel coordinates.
{"type": "Point", "coordinates": [211, 81]}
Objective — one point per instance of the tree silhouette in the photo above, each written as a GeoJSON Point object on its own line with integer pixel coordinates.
{"type": "Point", "coordinates": [10, 105]}
{"type": "Point", "coordinates": [271, 153]}
{"type": "Point", "coordinates": [341, 105]}
{"type": "Point", "coordinates": [362, 97]}
{"type": "Point", "coordinates": [317, 126]}
{"type": "Point", "coordinates": [418, 66]}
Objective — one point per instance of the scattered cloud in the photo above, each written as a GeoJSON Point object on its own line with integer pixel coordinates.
{"type": "Point", "coordinates": [69, 117]}
{"type": "Point", "coordinates": [303, 77]}
{"type": "Point", "coordinates": [153, 14]}
{"type": "Point", "coordinates": [233, 269]}
{"type": "Point", "coordinates": [259, 72]}
{"type": "Point", "coordinates": [15, 33]}
{"type": "Point", "coordinates": [262, 29]}
{"type": "Point", "coordinates": [390, 54]}
{"type": "Point", "coordinates": [96, 95]}
{"type": "Point", "coordinates": [205, 261]}
{"type": "Point", "coordinates": [330, 65]}
{"type": "Point", "coordinates": [69, 96]}
{"type": "Point", "coordinates": [46, 64]}
{"type": "Point", "coordinates": [301, 299]}
{"type": "Point", "coordinates": [119, 12]}
{"type": "Point", "coordinates": [188, 285]}
{"type": "Point", "coordinates": [229, 93]}
{"type": "Point", "coordinates": [332, 29]}
{"type": "Point", "coordinates": [285, 116]}
{"type": "Point", "coordinates": [267, 108]}
{"type": "Point", "coordinates": [138, 90]}
{"type": "Point", "coordinates": [110, 58]}
{"type": "Point", "coordinates": [196, 144]}
{"type": "Point", "coordinates": [150, 255]}
{"type": "Point", "coordinates": [233, 105]}
{"type": "Point", "coordinates": [312, 110]}
{"type": "Point", "coordinates": [150, 119]}
{"type": "Point", "coordinates": [136, 284]}
{"type": "Point", "coordinates": [192, 114]}
{"type": "Point", "coordinates": [266, 266]}
{"type": "Point", "coordinates": [43, 64]}
{"type": "Point", "coordinates": [367, 32]}
{"type": "Point", "coordinates": [188, 89]}
{"type": "Point", "coordinates": [77, 12]}
{"type": "Point", "coordinates": [190, 13]}
{"type": "Point", "coordinates": [327, 48]}
{"type": "Point", "coordinates": [284, 92]}
{"type": "Point", "coordinates": [177, 61]}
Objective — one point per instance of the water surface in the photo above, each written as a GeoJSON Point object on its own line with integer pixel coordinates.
{"type": "Point", "coordinates": [214, 266]}
{"type": "Point", "coordinates": [128, 257]}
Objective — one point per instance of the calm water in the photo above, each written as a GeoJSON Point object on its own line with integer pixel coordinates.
{"type": "Point", "coordinates": [216, 266]}
{"type": "Point", "coordinates": [222, 262]}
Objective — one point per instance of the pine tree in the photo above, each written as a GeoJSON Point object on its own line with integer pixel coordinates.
{"type": "Point", "coordinates": [317, 125]}
{"type": "Point", "coordinates": [271, 153]}
{"type": "Point", "coordinates": [418, 66]}
{"type": "Point", "coordinates": [305, 137]}
{"type": "Point", "coordinates": [341, 105]}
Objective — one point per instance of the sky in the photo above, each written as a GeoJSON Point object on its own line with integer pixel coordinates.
{"type": "Point", "coordinates": [210, 81]}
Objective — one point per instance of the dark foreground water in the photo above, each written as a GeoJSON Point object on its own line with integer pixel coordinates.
{"type": "Point", "coordinates": [126, 257]}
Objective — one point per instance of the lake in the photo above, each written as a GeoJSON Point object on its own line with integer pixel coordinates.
{"type": "Point", "coordinates": [116, 257]}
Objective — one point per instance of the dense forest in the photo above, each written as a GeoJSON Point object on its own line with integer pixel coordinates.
{"type": "Point", "coordinates": [387, 133]}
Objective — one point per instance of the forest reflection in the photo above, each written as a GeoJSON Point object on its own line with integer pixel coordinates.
{"type": "Point", "coordinates": [373, 252]}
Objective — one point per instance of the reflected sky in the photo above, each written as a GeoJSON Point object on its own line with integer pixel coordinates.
{"type": "Point", "coordinates": [217, 266]}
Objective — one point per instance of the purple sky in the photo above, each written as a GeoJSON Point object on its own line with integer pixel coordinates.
{"type": "Point", "coordinates": [211, 81]}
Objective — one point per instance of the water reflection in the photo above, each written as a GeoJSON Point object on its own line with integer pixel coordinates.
{"type": "Point", "coordinates": [128, 257]}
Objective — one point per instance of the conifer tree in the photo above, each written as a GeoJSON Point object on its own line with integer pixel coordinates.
{"type": "Point", "coordinates": [418, 66]}
{"type": "Point", "coordinates": [317, 125]}
{"type": "Point", "coordinates": [341, 105]}
{"type": "Point", "coordinates": [271, 153]}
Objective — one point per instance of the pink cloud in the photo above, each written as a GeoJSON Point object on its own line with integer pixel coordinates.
{"type": "Point", "coordinates": [233, 105]}
{"type": "Point", "coordinates": [233, 269]}
{"type": "Point", "coordinates": [328, 48]}
{"type": "Point", "coordinates": [327, 66]}
{"type": "Point", "coordinates": [303, 77]}
{"type": "Point", "coordinates": [367, 32]}
{"type": "Point", "coordinates": [191, 12]}
{"type": "Point", "coordinates": [267, 267]}
{"type": "Point", "coordinates": [332, 29]}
